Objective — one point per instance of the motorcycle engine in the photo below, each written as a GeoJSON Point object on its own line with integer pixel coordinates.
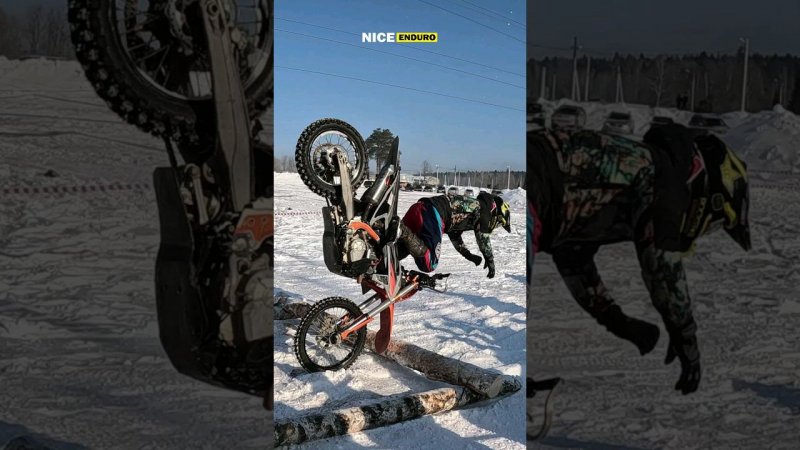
{"type": "Point", "coordinates": [356, 246]}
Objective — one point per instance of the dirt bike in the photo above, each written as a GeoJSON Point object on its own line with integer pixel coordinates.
{"type": "Point", "coordinates": [360, 241]}
{"type": "Point", "coordinates": [198, 74]}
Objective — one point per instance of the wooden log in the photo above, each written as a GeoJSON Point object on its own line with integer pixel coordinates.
{"type": "Point", "coordinates": [295, 430]}
{"type": "Point", "coordinates": [396, 409]}
{"type": "Point", "coordinates": [441, 368]}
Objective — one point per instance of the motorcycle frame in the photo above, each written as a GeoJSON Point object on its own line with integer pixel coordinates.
{"type": "Point", "coordinates": [411, 287]}
{"type": "Point", "coordinates": [398, 287]}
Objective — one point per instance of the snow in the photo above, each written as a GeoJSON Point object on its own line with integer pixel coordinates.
{"type": "Point", "coordinates": [746, 305]}
{"type": "Point", "coordinates": [81, 365]}
{"type": "Point", "coordinates": [479, 320]}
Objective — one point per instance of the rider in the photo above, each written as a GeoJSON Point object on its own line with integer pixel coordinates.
{"type": "Point", "coordinates": [423, 225]}
{"type": "Point", "coordinates": [589, 189]}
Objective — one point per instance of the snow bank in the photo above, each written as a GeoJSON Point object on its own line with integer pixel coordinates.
{"type": "Point", "coordinates": [768, 140]}
{"type": "Point", "coordinates": [516, 198]}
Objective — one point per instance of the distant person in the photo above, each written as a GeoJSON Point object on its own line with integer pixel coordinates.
{"type": "Point", "coordinates": [587, 189]}
{"type": "Point", "coordinates": [426, 221]}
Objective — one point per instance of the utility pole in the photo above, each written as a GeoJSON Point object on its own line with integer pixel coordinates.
{"type": "Point", "coordinates": [620, 97]}
{"type": "Point", "coordinates": [573, 95]}
{"type": "Point", "coordinates": [437, 173]}
{"type": "Point", "coordinates": [508, 185]}
{"type": "Point", "coordinates": [553, 89]}
{"type": "Point", "coordinates": [694, 83]}
{"type": "Point", "coordinates": [588, 75]}
{"type": "Point", "coordinates": [543, 87]}
{"type": "Point", "coordinates": [746, 42]}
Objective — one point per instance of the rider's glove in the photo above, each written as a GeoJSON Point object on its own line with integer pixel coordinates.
{"type": "Point", "coordinates": [475, 259]}
{"type": "Point", "coordinates": [490, 265]}
{"type": "Point", "coordinates": [683, 345]}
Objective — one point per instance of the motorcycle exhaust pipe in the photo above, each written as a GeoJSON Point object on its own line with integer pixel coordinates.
{"type": "Point", "coordinates": [375, 193]}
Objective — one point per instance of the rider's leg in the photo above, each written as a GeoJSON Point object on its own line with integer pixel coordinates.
{"type": "Point", "coordinates": [409, 227]}
{"type": "Point", "coordinates": [421, 233]}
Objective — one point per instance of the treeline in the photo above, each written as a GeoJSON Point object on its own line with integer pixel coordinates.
{"type": "Point", "coordinates": [39, 31]}
{"type": "Point", "coordinates": [285, 164]}
{"type": "Point", "coordinates": [663, 80]}
{"type": "Point", "coordinates": [491, 179]}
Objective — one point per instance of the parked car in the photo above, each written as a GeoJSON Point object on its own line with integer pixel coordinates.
{"type": "Point", "coordinates": [497, 192]}
{"type": "Point", "coordinates": [619, 123]}
{"type": "Point", "coordinates": [660, 121]}
{"type": "Point", "coordinates": [452, 191]}
{"type": "Point", "coordinates": [709, 122]}
{"type": "Point", "coordinates": [469, 193]}
{"type": "Point", "coordinates": [440, 190]}
{"type": "Point", "coordinates": [569, 117]}
{"type": "Point", "coordinates": [536, 116]}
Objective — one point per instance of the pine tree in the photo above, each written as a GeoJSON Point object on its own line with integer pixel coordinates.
{"type": "Point", "coordinates": [794, 104]}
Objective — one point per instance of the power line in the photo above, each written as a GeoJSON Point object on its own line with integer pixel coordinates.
{"type": "Point", "coordinates": [472, 20]}
{"type": "Point", "coordinates": [400, 87]}
{"type": "Point", "coordinates": [350, 33]}
{"type": "Point", "coordinates": [496, 15]}
{"type": "Point", "coordinates": [402, 56]}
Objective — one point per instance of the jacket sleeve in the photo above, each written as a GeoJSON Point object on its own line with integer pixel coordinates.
{"type": "Point", "coordinates": [484, 245]}
{"type": "Point", "coordinates": [665, 278]}
{"type": "Point", "coordinates": [662, 270]}
{"type": "Point", "coordinates": [458, 243]}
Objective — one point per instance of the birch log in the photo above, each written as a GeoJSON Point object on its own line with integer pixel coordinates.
{"type": "Point", "coordinates": [441, 368]}
{"type": "Point", "coordinates": [295, 430]}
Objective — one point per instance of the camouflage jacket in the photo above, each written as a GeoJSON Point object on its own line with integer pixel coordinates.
{"type": "Point", "coordinates": [460, 214]}
{"type": "Point", "coordinates": [608, 197]}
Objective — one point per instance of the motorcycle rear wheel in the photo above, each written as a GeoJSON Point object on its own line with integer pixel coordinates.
{"type": "Point", "coordinates": [148, 60]}
{"type": "Point", "coordinates": [314, 145]}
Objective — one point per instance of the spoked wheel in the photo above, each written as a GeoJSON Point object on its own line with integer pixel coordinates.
{"type": "Point", "coordinates": [317, 344]}
{"type": "Point", "coordinates": [148, 59]}
{"type": "Point", "coordinates": [318, 147]}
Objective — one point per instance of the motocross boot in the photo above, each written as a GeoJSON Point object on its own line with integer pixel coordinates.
{"type": "Point", "coordinates": [412, 243]}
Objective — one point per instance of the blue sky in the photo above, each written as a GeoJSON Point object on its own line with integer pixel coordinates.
{"type": "Point", "coordinates": [443, 131]}
{"type": "Point", "coordinates": [675, 26]}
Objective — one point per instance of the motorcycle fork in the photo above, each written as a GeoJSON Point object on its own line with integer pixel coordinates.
{"type": "Point", "coordinates": [232, 118]}
{"type": "Point", "coordinates": [367, 317]}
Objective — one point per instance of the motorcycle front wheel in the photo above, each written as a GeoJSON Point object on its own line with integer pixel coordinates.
{"type": "Point", "coordinates": [316, 346]}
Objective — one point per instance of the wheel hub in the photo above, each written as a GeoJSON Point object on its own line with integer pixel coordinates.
{"type": "Point", "coordinates": [329, 333]}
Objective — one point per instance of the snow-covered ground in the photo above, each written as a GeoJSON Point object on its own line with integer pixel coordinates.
{"type": "Point", "coordinates": [479, 320]}
{"type": "Point", "coordinates": [747, 306]}
{"type": "Point", "coordinates": [81, 365]}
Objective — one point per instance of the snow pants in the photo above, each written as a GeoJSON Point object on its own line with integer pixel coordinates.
{"type": "Point", "coordinates": [426, 223]}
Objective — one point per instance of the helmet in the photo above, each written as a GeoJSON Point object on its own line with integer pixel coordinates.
{"type": "Point", "coordinates": [726, 192]}
{"type": "Point", "coordinates": [502, 213]}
